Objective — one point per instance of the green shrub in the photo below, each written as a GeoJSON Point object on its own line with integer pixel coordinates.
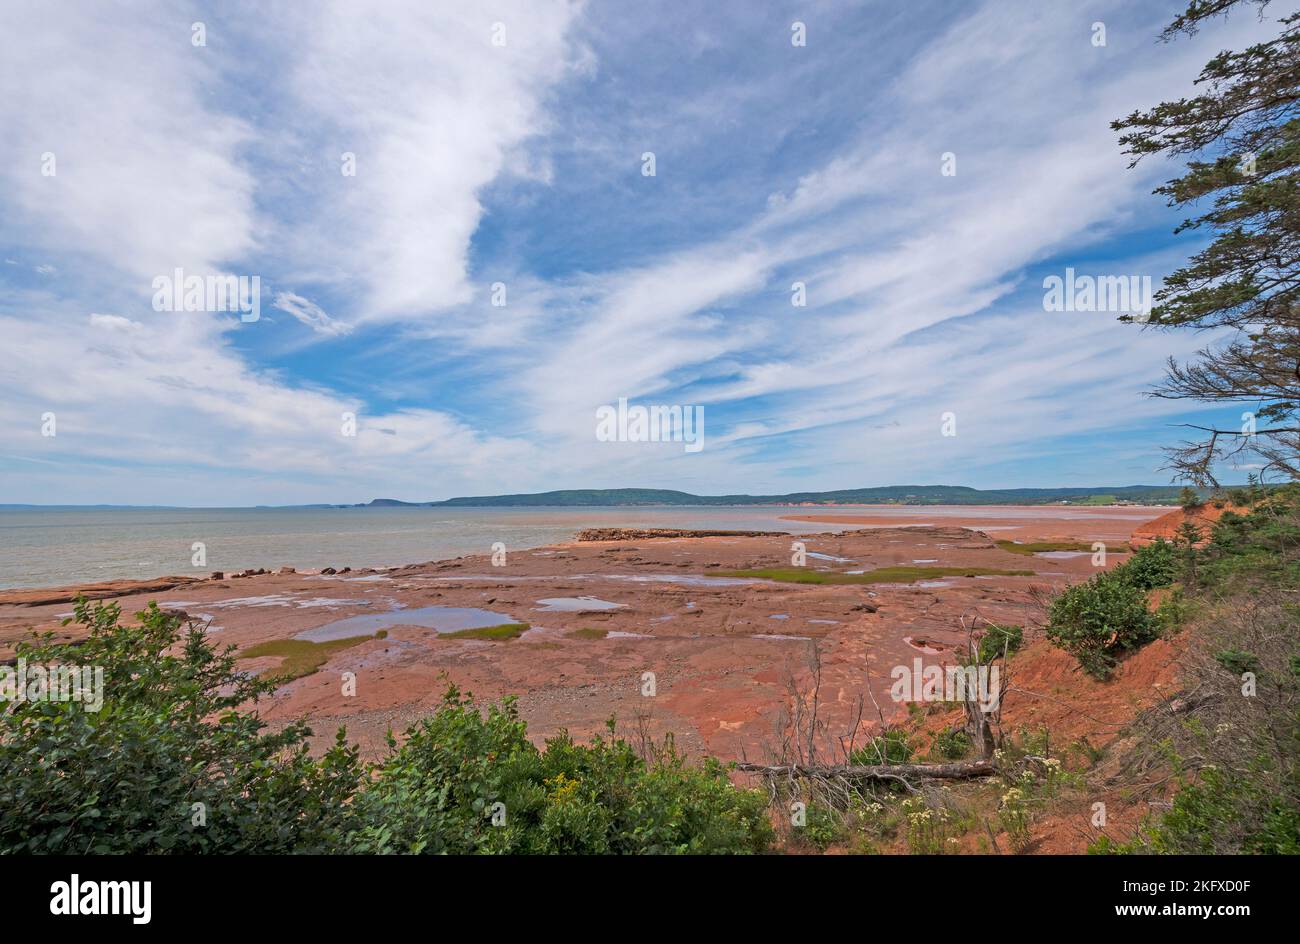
{"type": "Point", "coordinates": [1155, 565]}
{"type": "Point", "coordinates": [1176, 609]}
{"type": "Point", "coordinates": [1258, 548]}
{"type": "Point", "coordinates": [823, 827]}
{"type": "Point", "coordinates": [1098, 620]}
{"type": "Point", "coordinates": [952, 743]}
{"type": "Point", "coordinates": [467, 781]}
{"type": "Point", "coordinates": [129, 777]}
{"type": "Point", "coordinates": [998, 640]}
{"type": "Point", "coordinates": [1223, 812]}
{"type": "Point", "coordinates": [1237, 758]}
{"type": "Point", "coordinates": [891, 746]}
{"type": "Point", "coordinates": [1237, 662]}
{"type": "Point", "coordinates": [174, 731]}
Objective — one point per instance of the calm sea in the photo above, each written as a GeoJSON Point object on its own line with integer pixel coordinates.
{"type": "Point", "coordinates": [43, 547]}
{"type": "Point", "coordinates": [53, 546]}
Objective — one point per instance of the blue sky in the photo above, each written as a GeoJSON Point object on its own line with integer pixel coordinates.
{"type": "Point", "coordinates": [522, 164]}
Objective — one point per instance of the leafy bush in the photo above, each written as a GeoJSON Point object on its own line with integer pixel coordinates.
{"type": "Point", "coordinates": [173, 762]}
{"type": "Point", "coordinates": [1224, 812]}
{"type": "Point", "coordinates": [1258, 548]}
{"type": "Point", "coordinates": [952, 743]}
{"type": "Point", "coordinates": [129, 778]}
{"type": "Point", "coordinates": [823, 828]}
{"type": "Point", "coordinates": [1098, 620]}
{"type": "Point", "coordinates": [1236, 755]}
{"type": "Point", "coordinates": [1237, 662]}
{"type": "Point", "coordinates": [1155, 565]}
{"type": "Point", "coordinates": [891, 746]}
{"type": "Point", "coordinates": [471, 782]}
{"type": "Point", "coordinates": [999, 639]}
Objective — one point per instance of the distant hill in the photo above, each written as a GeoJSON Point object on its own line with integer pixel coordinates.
{"type": "Point", "coordinates": [886, 495]}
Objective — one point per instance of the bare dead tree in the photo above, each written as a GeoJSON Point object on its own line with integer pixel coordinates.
{"type": "Point", "coordinates": [984, 709]}
{"type": "Point", "coordinates": [807, 762]}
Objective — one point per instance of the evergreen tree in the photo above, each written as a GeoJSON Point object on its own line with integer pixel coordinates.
{"type": "Point", "coordinates": [1241, 138]}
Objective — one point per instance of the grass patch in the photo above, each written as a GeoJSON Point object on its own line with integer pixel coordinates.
{"type": "Point", "coordinates": [588, 632]}
{"type": "Point", "coordinates": [504, 631]}
{"type": "Point", "coordinates": [879, 575]}
{"type": "Point", "coordinates": [300, 656]}
{"type": "Point", "coordinates": [1037, 547]}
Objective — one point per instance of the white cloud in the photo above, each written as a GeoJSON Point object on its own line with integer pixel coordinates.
{"type": "Point", "coordinates": [114, 100]}
{"type": "Point", "coordinates": [310, 314]}
{"type": "Point", "coordinates": [889, 249]}
{"type": "Point", "coordinates": [155, 172]}
{"type": "Point", "coordinates": [432, 112]}
{"type": "Point", "coordinates": [171, 393]}
{"type": "Point", "coordinates": [115, 323]}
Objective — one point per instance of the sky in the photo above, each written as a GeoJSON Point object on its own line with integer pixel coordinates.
{"type": "Point", "coordinates": [458, 242]}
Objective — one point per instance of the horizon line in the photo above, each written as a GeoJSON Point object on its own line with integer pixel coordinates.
{"type": "Point", "coordinates": [486, 499]}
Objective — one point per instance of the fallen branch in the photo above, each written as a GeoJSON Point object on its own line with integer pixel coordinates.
{"type": "Point", "coordinates": [961, 771]}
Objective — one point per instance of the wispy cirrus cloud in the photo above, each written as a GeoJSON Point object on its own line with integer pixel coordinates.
{"type": "Point", "coordinates": [519, 164]}
{"type": "Point", "coordinates": [113, 152]}
{"type": "Point", "coordinates": [427, 105]}
{"type": "Point", "coordinates": [312, 315]}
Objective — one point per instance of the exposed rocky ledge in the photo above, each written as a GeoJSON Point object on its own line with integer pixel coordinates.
{"type": "Point", "coordinates": [93, 591]}
{"type": "Point", "coordinates": [641, 534]}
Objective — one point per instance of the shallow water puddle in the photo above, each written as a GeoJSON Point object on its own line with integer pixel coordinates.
{"type": "Point", "coordinates": [575, 604]}
{"type": "Point", "coordinates": [443, 619]}
{"type": "Point", "coordinates": [1061, 555]}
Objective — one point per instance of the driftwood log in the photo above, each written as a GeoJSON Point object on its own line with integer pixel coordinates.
{"type": "Point", "coordinates": [962, 771]}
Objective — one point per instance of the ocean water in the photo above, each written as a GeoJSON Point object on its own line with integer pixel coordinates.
{"type": "Point", "coordinates": [43, 547]}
